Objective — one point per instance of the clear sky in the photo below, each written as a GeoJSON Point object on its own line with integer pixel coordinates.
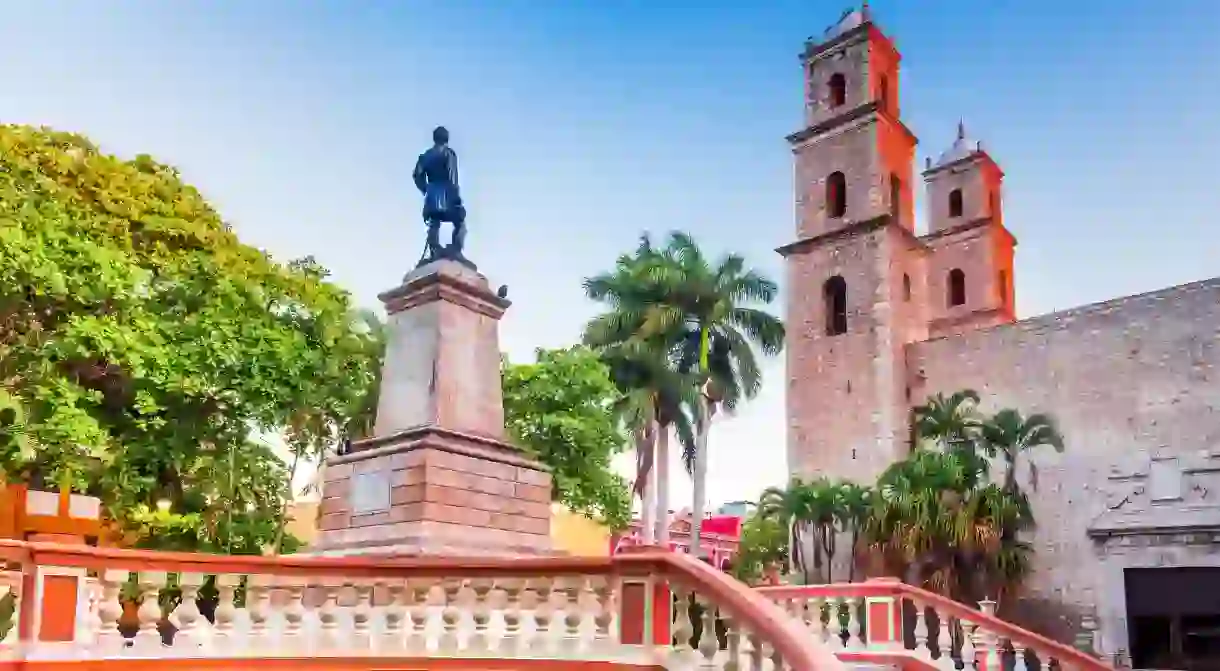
{"type": "Point", "coordinates": [581, 123]}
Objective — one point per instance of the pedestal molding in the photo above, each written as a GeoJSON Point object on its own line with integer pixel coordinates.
{"type": "Point", "coordinates": [479, 447]}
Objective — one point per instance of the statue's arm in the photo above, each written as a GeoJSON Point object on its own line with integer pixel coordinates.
{"type": "Point", "coordinates": [453, 171]}
{"type": "Point", "coordinates": [418, 175]}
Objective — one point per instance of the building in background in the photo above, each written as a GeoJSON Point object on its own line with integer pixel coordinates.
{"type": "Point", "coordinates": [882, 314]}
{"type": "Point", "coordinates": [720, 537]}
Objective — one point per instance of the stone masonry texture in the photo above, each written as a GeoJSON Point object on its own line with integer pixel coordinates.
{"type": "Point", "coordinates": [1134, 383]}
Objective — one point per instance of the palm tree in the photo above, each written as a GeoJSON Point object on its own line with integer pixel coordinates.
{"type": "Point", "coordinates": [939, 522]}
{"type": "Point", "coordinates": [791, 507]}
{"type": "Point", "coordinates": [1010, 435]}
{"type": "Point", "coordinates": [855, 504]}
{"type": "Point", "coordinates": [824, 513]}
{"type": "Point", "coordinates": [707, 308]}
{"type": "Point", "coordinates": [656, 394]}
{"type": "Point", "coordinates": [952, 422]}
{"type": "Point", "coordinates": [655, 398]}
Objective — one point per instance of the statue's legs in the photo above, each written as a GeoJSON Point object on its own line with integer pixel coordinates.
{"type": "Point", "coordinates": [432, 248]}
{"type": "Point", "coordinates": [459, 239]}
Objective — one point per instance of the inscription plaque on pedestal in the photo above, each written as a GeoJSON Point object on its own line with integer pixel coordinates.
{"type": "Point", "coordinates": [370, 492]}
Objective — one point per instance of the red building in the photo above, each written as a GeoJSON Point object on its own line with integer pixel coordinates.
{"type": "Point", "coordinates": [720, 537]}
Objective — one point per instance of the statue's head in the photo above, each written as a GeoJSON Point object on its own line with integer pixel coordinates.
{"type": "Point", "coordinates": [440, 135]}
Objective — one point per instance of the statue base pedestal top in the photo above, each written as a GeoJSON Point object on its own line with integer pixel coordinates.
{"type": "Point", "coordinates": [438, 476]}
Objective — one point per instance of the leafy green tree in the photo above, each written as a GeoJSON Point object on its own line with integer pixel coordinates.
{"type": "Point", "coordinates": [764, 544]}
{"type": "Point", "coordinates": [560, 409]}
{"type": "Point", "coordinates": [145, 343]}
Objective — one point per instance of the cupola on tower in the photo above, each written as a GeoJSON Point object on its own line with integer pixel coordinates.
{"type": "Point", "coordinates": [969, 269]}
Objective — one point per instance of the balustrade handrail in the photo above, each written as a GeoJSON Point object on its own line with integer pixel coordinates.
{"type": "Point", "coordinates": [942, 604]}
{"type": "Point", "coordinates": [745, 605]}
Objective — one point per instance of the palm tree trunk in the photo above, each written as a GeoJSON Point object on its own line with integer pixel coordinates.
{"type": "Point", "coordinates": [648, 492]}
{"type": "Point", "coordinates": [702, 425]}
{"type": "Point", "coordinates": [661, 467]}
{"type": "Point", "coordinates": [851, 561]}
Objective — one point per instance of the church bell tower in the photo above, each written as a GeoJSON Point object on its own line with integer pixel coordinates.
{"type": "Point", "coordinates": [854, 272]}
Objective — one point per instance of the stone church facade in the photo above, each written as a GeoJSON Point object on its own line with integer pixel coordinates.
{"type": "Point", "coordinates": [881, 316]}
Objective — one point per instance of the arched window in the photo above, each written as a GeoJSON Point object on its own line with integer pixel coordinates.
{"type": "Point", "coordinates": [834, 298]}
{"type": "Point", "coordinates": [895, 196]}
{"type": "Point", "coordinates": [906, 287]}
{"type": "Point", "coordinates": [836, 194]}
{"type": "Point", "coordinates": [957, 287]}
{"type": "Point", "coordinates": [1002, 279]}
{"type": "Point", "coordinates": [955, 203]}
{"type": "Point", "coordinates": [838, 89]}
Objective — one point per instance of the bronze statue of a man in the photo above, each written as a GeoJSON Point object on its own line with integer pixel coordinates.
{"type": "Point", "coordinates": [436, 176]}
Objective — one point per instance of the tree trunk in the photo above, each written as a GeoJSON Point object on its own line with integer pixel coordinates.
{"type": "Point", "coordinates": [661, 466]}
{"type": "Point", "coordinates": [851, 564]}
{"type": "Point", "coordinates": [645, 444]}
{"type": "Point", "coordinates": [283, 521]}
{"type": "Point", "coordinates": [702, 426]}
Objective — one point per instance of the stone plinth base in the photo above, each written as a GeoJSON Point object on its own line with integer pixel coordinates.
{"type": "Point", "coordinates": [432, 491]}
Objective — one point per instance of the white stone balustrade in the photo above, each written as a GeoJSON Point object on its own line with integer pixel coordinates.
{"type": "Point", "coordinates": [107, 604]}
{"type": "Point", "coordinates": [888, 622]}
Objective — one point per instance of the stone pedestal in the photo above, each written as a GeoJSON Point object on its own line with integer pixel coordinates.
{"type": "Point", "coordinates": [438, 476]}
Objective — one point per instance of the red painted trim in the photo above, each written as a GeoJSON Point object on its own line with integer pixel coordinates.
{"type": "Point", "coordinates": [324, 664]}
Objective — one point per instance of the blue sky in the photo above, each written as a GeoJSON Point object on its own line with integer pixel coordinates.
{"type": "Point", "coordinates": [580, 124]}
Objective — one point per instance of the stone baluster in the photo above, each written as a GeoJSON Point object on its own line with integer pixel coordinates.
{"type": "Point", "coordinates": [395, 614]}
{"type": "Point", "coordinates": [969, 650]}
{"type": "Point", "coordinates": [777, 659]}
{"type": "Point", "coordinates": [835, 625]}
{"type": "Point", "coordinates": [223, 632]}
{"type": "Point", "coordinates": [944, 642]}
{"type": "Point", "coordinates": [417, 635]}
{"type": "Point", "coordinates": [572, 614]}
{"type": "Point", "coordinates": [330, 637]}
{"type": "Point", "coordinates": [512, 639]}
{"type": "Point", "coordinates": [603, 639]}
{"type": "Point", "coordinates": [292, 638]}
{"type": "Point", "coordinates": [150, 584]}
{"type": "Point", "coordinates": [817, 626]}
{"type": "Point", "coordinates": [922, 648]}
{"type": "Point", "coordinates": [709, 645]}
{"type": "Point", "coordinates": [1018, 654]}
{"type": "Point", "coordinates": [480, 612]}
{"type": "Point", "coordinates": [988, 639]}
{"type": "Point", "coordinates": [683, 629]}
{"type": "Point", "coordinates": [755, 653]}
{"type": "Point", "coordinates": [854, 629]}
{"type": "Point", "coordinates": [735, 635]}
{"type": "Point", "coordinates": [451, 616]}
{"type": "Point", "coordinates": [258, 607]}
{"type": "Point", "coordinates": [110, 610]}
{"type": "Point", "coordinates": [362, 616]}
{"type": "Point", "coordinates": [543, 611]}
{"type": "Point", "coordinates": [187, 614]}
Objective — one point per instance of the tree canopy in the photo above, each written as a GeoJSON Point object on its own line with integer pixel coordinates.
{"type": "Point", "coordinates": [561, 410]}
{"type": "Point", "coordinates": [143, 343]}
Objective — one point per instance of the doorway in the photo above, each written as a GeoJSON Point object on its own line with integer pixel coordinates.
{"type": "Point", "coordinates": [1173, 617]}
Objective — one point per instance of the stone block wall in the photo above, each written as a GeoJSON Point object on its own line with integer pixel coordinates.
{"type": "Point", "coordinates": [1128, 380]}
{"type": "Point", "coordinates": [441, 502]}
